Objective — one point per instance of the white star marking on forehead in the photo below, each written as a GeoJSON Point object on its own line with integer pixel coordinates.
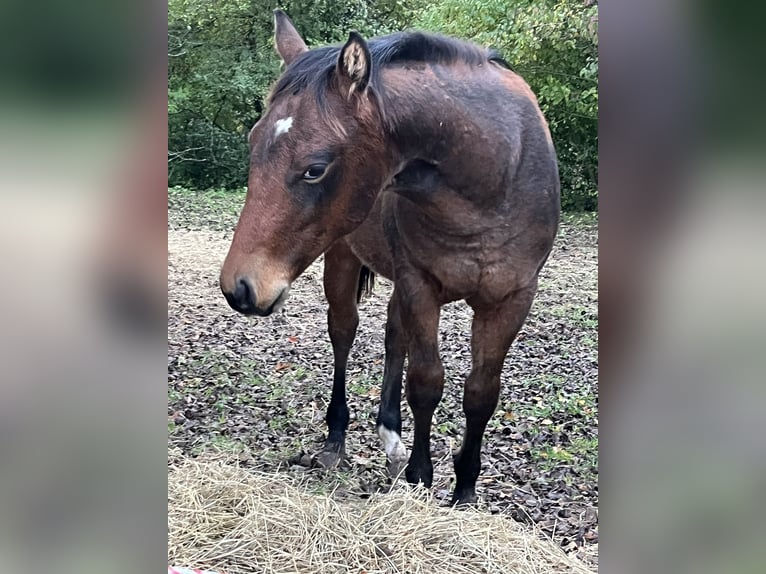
{"type": "Point", "coordinates": [282, 126]}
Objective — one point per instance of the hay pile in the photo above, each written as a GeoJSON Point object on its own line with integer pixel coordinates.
{"type": "Point", "coordinates": [222, 517]}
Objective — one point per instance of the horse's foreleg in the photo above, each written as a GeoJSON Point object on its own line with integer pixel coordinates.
{"type": "Point", "coordinates": [341, 280]}
{"type": "Point", "coordinates": [419, 313]}
{"type": "Point", "coordinates": [493, 330]}
{"type": "Point", "coordinates": [389, 420]}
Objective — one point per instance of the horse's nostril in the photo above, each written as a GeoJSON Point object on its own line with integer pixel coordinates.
{"type": "Point", "coordinates": [243, 294]}
{"type": "Point", "coordinates": [243, 298]}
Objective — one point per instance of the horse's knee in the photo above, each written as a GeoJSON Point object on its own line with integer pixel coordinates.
{"type": "Point", "coordinates": [342, 326]}
{"type": "Point", "coordinates": [425, 383]}
{"type": "Point", "coordinates": [481, 394]}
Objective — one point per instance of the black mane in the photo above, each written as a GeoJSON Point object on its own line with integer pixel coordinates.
{"type": "Point", "coordinates": [313, 69]}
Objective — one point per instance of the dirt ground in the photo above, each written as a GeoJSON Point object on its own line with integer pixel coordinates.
{"type": "Point", "coordinates": [259, 387]}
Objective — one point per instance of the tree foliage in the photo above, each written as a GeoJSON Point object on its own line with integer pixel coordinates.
{"type": "Point", "coordinates": [222, 63]}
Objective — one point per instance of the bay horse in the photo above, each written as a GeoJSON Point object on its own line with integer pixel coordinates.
{"type": "Point", "coordinates": [421, 158]}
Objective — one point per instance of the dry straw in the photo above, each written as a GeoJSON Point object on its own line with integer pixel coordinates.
{"type": "Point", "coordinates": [225, 518]}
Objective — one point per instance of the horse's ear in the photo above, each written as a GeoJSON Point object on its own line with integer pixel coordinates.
{"type": "Point", "coordinates": [286, 38]}
{"type": "Point", "coordinates": [355, 63]}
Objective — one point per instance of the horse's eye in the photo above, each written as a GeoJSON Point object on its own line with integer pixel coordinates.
{"type": "Point", "coordinates": [314, 172]}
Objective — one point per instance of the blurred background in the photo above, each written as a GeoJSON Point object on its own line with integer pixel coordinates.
{"type": "Point", "coordinates": [683, 460]}
{"type": "Point", "coordinates": [82, 266]}
{"type": "Point", "coordinates": [84, 152]}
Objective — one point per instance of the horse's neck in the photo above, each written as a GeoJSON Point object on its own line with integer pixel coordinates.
{"type": "Point", "coordinates": [449, 116]}
{"type": "Point", "coordinates": [418, 114]}
{"type": "Point", "coordinates": [444, 138]}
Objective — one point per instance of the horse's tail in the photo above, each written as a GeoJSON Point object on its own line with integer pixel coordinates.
{"type": "Point", "coordinates": [366, 282]}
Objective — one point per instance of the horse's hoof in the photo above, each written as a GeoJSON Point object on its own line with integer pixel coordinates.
{"type": "Point", "coordinates": [396, 463]}
{"type": "Point", "coordinates": [396, 454]}
{"type": "Point", "coordinates": [465, 498]}
{"type": "Point", "coordinates": [420, 475]}
{"type": "Point", "coordinates": [328, 459]}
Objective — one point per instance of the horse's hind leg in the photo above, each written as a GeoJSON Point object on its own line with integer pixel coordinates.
{"type": "Point", "coordinates": [341, 282]}
{"type": "Point", "coordinates": [389, 420]}
{"type": "Point", "coordinates": [493, 330]}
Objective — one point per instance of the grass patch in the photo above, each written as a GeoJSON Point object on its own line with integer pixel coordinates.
{"type": "Point", "coordinates": [581, 456]}
{"type": "Point", "coordinates": [566, 415]}
{"type": "Point", "coordinates": [220, 444]}
{"type": "Point", "coordinates": [361, 385]}
{"type": "Point", "coordinates": [210, 209]}
{"type": "Point", "coordinates": [553, 454]}
{"type": "Point", "coordinates": [579, 219]}
{"type": "Point", "coordinates": [285, 421]}
{"type": "Point", "coordinates": [558, 406]}
{"type": "Point", "coordinates": [579, 315]}
{"type": "Point", "coordinates": [590, 341]}
{"type": "Point", "coordinates": [447, 427]}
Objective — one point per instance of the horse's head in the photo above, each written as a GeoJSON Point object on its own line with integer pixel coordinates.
{"type": "Point", "coordinates": [317, 162]}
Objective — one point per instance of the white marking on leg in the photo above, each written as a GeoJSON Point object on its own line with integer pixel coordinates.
{"type": "Point", "coordinates": [392, 443]}
{"type": "Point", "coordinates": [282, 126]}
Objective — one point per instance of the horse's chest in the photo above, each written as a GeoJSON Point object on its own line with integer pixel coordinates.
{"type": "Point", "coordinates": [457, 271]}
{"type": "Point", "coordinates": [472, 269]}
{"type": "Point", "coordinates": [369, 244]}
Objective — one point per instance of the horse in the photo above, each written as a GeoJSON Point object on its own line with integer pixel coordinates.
{"type": "Point", "coordinates": [420, 158]}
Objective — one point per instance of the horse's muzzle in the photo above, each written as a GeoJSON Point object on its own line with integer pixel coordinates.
{"type": "Point", "coordinates": [244, 299]}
